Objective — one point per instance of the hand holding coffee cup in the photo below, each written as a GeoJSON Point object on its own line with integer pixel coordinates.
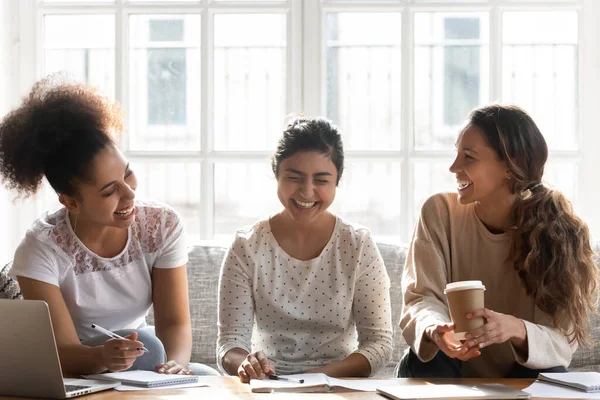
{"type": "Point", "coordinates": [443, 336]}
{"type": "Point", "coordinates": [498, 328]}
{"type": "Point", "coordinates": [465, 297]}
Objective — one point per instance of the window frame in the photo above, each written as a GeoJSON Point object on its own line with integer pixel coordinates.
{"type": "Point", "coordinates": [588, 49]}
{"type": "Point", "coordinates": [305, 83]}
{"type": "Point", "coordinates": [207, 156]}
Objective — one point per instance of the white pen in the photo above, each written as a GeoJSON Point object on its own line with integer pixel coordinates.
{"type": "Point", "coordinates": [113, 335]}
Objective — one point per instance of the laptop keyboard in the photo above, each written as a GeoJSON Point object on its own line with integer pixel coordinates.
{"type": "Point", "coordinates": [73, 388]}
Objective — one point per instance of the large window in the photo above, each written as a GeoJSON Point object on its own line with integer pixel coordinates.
{"type": "Point", "coordinates": [206, 87]}
{"type": "Point", "coordinates": [400, 77]}
{"type": "Point", "coordinates": [207, 84]}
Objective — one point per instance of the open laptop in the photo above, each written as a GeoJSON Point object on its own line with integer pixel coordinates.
{"type": "Point", "coordinates": [30, 358]}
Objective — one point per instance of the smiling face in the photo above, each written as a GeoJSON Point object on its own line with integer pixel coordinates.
{"type": "Point", "coordinates": [306, 185]}
{"type": "Point", "coordinates": [480, 174]}
{"type": "Point", "coordinates": [108, 199]}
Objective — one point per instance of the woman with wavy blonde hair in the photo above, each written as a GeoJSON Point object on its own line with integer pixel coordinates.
{"type": "Point", "coordinates": [519, 237]}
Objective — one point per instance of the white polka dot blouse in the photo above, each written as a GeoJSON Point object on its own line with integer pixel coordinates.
{"type": "Point", "coordinates": [305, 314]}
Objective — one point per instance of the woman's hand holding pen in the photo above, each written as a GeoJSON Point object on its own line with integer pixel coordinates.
{"type": "Point", "coordinates": [256, 366]}
{"type": "Point", "coordinates": [120, 354]}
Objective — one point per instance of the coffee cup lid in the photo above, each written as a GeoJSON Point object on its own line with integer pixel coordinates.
{"type": "Point", "coordinates": [463, 285]}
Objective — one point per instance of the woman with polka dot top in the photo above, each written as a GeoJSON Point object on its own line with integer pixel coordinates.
{"type": "Point", "coordinates": [304, 290]}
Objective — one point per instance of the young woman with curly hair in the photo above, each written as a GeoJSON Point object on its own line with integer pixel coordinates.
{"type": "Point", "coordinates": [103, 258]}
{"type": "Point", "coordinates": [519, 237]}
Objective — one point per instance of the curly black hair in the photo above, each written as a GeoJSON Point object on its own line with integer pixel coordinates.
{"type": "Point", "coordinates": [56, 132]}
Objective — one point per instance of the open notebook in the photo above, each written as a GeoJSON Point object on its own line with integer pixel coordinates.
{"type": "Point", "coordinates": [429, 392]}
{"type": "Point", "coordinates": [318, 383]}
{"type": "Point", "coordinates": [586, 381]}
{"type": "Point", "coordinates": [144, 378]}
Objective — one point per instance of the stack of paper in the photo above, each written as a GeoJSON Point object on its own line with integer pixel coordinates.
{"type": "Point", "coordinates": [567, 385]}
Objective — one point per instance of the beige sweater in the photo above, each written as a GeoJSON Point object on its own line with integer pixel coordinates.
{"type": "Point", "coordinates": [451, 244]}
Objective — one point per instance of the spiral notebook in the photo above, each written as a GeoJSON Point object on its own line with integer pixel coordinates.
{"type": "Point", "coordinates": [586, 381]}
{"type": "Point", "coordinates": [145, 378]}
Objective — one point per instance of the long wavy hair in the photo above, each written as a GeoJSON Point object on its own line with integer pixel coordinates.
{"type": "Point", "coordinates": [551, 248]}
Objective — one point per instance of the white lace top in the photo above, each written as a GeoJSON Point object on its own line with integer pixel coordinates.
{"type": "Point", "coordinates": [116, 292]}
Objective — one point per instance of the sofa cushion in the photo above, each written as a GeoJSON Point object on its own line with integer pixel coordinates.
{"type": "Point", "coordinates": [394, 257]}
{"type": "Point", "coordinates": [9, 288]}
{"type": "Point", "coordinates": [203, 269]}
{"type": "Point", "coordinates": [588, 359]}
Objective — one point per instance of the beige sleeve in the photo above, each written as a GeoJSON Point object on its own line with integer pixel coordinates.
{"type": "Point", "coordinates": [547, 345]}
{"type": "Point", "coordinates": [423, 281]}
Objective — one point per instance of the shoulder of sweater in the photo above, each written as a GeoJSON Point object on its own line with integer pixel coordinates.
{"type": "Point", "coordinates": [436, 213]}
{"type": "Point", "coordinates": [440, 205]}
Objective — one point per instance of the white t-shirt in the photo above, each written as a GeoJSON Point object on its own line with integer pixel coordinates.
{"type": "Point", "coordinates": [305, 314]}
{"type": "Point", "coordinates": [115, 293]}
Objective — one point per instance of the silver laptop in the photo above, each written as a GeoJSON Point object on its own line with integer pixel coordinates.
{"type": "Point", "coordinates": [30, 358]}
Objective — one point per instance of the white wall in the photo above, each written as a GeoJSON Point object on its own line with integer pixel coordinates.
{"type": "Point", "coordinates": [590, 108]}
{"type": "Point", "coordinates": [6, 92]}
{"type": "Point", "coordinates": [16, 78]}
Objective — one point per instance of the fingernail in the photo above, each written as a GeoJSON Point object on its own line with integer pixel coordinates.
{"type": "Point", "coordinates": [469, 315]}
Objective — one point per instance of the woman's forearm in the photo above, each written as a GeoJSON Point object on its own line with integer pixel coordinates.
{"type": "Point", "coordinates": [177, 340]}
{"type": "Point", "coordinates": [77, 359]}
{"type": "Point", "coordinates": [355, 365]}
{"type": "Point", "coordinates": [233, 359]}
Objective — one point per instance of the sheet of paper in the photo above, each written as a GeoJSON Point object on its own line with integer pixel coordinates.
{"type": "Point", "coordinates": [449, 391]}
{"type": "Point", "coordinates": [310, 380]}
{"type": "Point", "coordinates": [541, 389]}
{"type": "Point", "coordinates": [363, 385]}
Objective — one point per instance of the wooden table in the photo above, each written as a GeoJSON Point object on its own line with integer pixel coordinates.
{"type": "Point", "coordinates": [227, 388]}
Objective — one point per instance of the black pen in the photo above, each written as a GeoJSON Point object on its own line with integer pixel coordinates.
{"type": "Point", "coordinates": [283, 378]}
